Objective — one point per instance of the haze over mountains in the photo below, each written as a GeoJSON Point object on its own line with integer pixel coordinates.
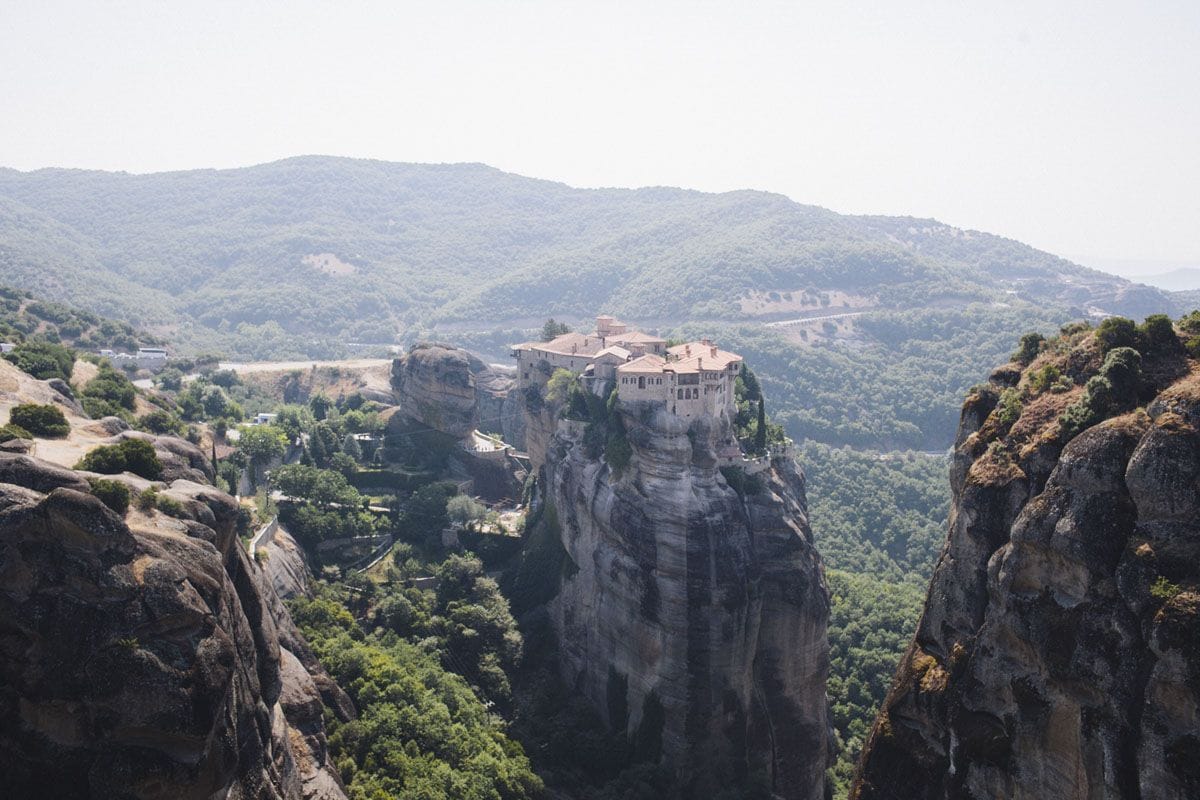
{"type": "Point", "coordinates": [446, 243]}
{"type": "Point", "coordinates": [301, 257]}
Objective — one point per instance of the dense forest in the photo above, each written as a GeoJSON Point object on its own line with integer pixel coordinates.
{"type": "Point", "coordinates": [345, 250]}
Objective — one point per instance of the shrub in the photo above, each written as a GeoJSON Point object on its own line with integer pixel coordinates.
{"type": "Point", "coordinates": [1088, 410]}
{"type": "Point", "coordinates": [147, 499]}
{"type": "Point", "coordinates": [170, 506]}
{"type": "Point", "coordinates": [617, 452]}
{"type": "Point", "coordinates": [113, 388]}
{"type": "Point", "coordinates": [1031, 345]}
{"type": "Point", "coordinates": [1163, 589]}
{"type": "Point", "coordinates": [113, 494]}
{"type": "Point", "coordinates": [13, 432]}
{"type": "Point", "coordinates": [130, 455]}
{"type": "Point", "coordinates": [1116, 332]}
{"type": "Point", "coordinates": [97, 408]}
{"type": "Point", "coordinates": [1045, 378]}
{"type": "Point", "coordinates": [1122, 369]}
{"type": "Point", "coordinates": [43, 360]}
{"type": "Point", "coordinates": [1158, 335]}
{"type": "Point", "coordinates": [40, 420]}
{"type": "Point", "coordinates": [1008, 409]}
{"type": "Point", "coordinates": [160, 422]}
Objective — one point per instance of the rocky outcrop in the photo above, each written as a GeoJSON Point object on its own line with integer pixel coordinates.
{"type": "Point", "coordinates": [693, 617]}
{"type": "Point", "coordinates": [435, 388]}
{"type": "Point", "coordinates": [287, 566]}
{"type": "Point", "coordinates": [146, 656]}
{"type": "Point", "coordinates": [1059, 651]}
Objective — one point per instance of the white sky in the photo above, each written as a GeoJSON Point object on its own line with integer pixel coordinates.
{"type": "Point", "coordinates": [1074, 126]}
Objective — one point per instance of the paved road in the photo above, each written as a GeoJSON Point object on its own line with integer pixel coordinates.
{"type": "Point", "coordinates": [282, 366]}
{"type": "Point", "coordinates": [802, 320]}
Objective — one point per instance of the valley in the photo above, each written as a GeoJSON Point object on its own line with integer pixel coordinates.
{"type": "Point", "coordinates": [567, 620]}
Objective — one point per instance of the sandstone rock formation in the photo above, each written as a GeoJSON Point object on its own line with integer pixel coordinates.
{"type": "Point", "coordinates": [434, 387]}
{"type": "Point", "coordinates": [1059, 651]}
{"type": "Point", "coordinates": [692, 616]}
{"type": "Point", "coordinates": [146, 656]}
{"type": "Point", "coordinates": [496, 400]}
{"type": "Point", "coordinates": [287, 566]}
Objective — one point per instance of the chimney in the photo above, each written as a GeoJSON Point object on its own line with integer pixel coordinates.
{"type": "Point", "coordinates": [714, 352]}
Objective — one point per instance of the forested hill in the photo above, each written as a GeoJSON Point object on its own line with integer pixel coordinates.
{"type": "Point", "coordinates": [336, 249]}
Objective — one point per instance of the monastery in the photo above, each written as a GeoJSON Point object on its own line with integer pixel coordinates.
{"type": "Point", "coordinates": [690, 380]}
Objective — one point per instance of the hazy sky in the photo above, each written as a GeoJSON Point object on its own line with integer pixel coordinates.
{"type": "Point", "coordinates": [1074, 126]}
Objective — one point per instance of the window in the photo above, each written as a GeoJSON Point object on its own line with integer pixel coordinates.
{"type": "Point", "coordinates": [679, 396]}
{"type": "Point", "coordinates": [641, 382]}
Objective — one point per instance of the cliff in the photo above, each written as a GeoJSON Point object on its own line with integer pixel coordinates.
{"type": "Point", "coordinates": [144, 655]}
{"type": "Point", "coordinates": [1058, 654]}
{"type": "Point", "coordinates": [435, 388]}
{"type": "Point", "coordinates": [692, 617]}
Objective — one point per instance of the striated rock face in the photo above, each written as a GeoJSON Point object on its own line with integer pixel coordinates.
{"type": "Point", "coordinates": [693, 618]}
{"type": "Point", "coordinates": [1059, 652]}
{"type": "Point", "coordinates": [147, 657]}
{"type": "Point", "coordinates": [434, 386]}
{"type": "Point", "coordinates": [287, 566]}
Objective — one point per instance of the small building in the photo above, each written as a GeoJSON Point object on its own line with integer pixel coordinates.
{"type": "Point", "coordinates": [7, 347]}
{"type": "Point", "coordinates": [108, 353]}
{"type": "Point", "coordinates": [604, 365]}
{"type": "Point", "coordinates": [264, 419]}
{"type": "Point", "coordinates": [151, 354]}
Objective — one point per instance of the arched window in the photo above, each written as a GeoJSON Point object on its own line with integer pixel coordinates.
{"type": "Point", "coordinates": [679, 396]}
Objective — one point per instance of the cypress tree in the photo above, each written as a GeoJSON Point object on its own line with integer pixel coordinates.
{"type": "Point", "coordinates": [760, 432]}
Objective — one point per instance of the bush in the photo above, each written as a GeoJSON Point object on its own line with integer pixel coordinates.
{"type": "Point", "coordinates": [170, 506]}
{"type": "Point", "coordinates": [1158, 335]}
{"type": "Point", "coordinates": [1088, 410]}
{"type": "Point", "coordinates": [1008, 409]}
{"type": "Point", "coordinates": [13, 432]}
{"type": "Point", "coordinates": [1116, 332]}
{"type": "Point", "coordinates": [1122, 368]}
{"type": "Point", "coordinates": [130, 455]}
{"type": "Point", "coordinates": [160, 422]}
{"type": "Point", "coordinates": [40, 420]}
{"type": "Point", "coordinates": [1031, 345]}
{"type": "Point", "coordinates": [112, 388]}
{"type": "Point", "coordinates": [43, 360]}
{"type": "Point", "coordinates": [113, 494]}
{"type": "Point", "coordinates": [147, 499]}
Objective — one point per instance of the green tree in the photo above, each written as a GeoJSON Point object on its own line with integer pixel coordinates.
{"type": "Point", "coordinates": [559, 385]}
{"type": "Point", "coordinates": [261, 443]}
{"type": "Point", "coordinates": [760, 430]}
{"type": "Point", "coordinates": [462, 510]}
{"type": "Point", "coordinates": [352, 448]}
{"type": "Point", "coordinates": [551, 329]}
{"type": "Point", "coordinates": [320, 405]}
{"type": "Point", "coordinates": [1031, 345]}
{"type": "Point", "coordinates": [170, 379]}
